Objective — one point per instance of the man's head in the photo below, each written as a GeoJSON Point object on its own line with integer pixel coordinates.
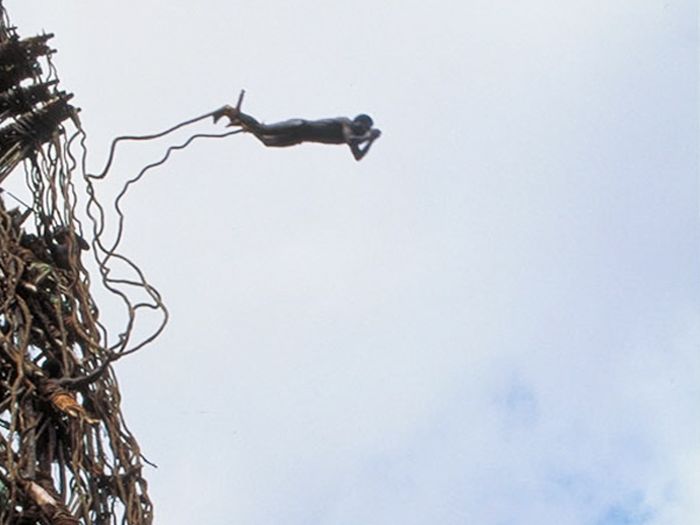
{"type": "Point", "coordinates": [362, 123]}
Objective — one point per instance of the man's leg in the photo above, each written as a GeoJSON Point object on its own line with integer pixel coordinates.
{"type": "Point", "coordinates": [279, 141]}
{"type": "Point", "coordinates": [280, 134]}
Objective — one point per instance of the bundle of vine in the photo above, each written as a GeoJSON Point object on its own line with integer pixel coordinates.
{"type": "Point", "coordinates": [66, 456]}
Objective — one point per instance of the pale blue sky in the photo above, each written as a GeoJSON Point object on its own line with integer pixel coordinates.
{"type": "Point", "coordinates": [492, 319]}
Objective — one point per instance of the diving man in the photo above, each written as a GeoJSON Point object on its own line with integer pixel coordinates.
{"type": "Point", "coordinates": [357, 133]}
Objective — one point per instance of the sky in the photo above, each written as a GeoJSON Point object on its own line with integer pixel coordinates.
{"type": "Point", "coordinates": [492, 319]}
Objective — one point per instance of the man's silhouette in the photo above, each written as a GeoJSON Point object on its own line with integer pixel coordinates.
{"type": "Point", "coordinates": [357, 133]}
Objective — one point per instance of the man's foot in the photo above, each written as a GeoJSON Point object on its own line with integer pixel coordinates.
{"type": "Point", "coordinates": [230, 112]}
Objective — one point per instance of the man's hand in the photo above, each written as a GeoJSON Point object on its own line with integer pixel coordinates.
{"type": "Point", "coordinates": [359, 151]}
